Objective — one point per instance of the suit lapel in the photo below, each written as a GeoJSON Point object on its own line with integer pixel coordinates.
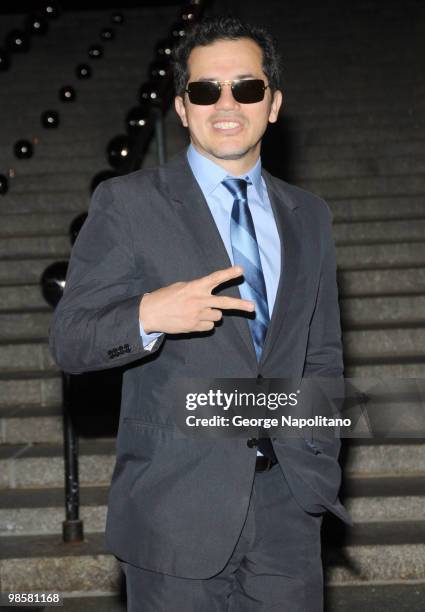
{"type": "Point", "coordinates": [195, 217]}
{"type": "Point", "coordinates": [289, 229]}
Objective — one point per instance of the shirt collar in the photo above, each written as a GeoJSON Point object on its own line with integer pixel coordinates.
{"type": "Point", "coordinates": [209, 174]}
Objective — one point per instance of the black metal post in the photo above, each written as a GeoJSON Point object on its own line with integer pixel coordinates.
{"type": "Point", "coordinates": [159, 135]}
{"type": "Point", "coordinates": [72, 526]}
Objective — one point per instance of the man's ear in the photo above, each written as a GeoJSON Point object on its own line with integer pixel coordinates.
{"type": "Point", "coordinates": [180, 110]}
{"type": "Point", "coordinates": [275, 106]}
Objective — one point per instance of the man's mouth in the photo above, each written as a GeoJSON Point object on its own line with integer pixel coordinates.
{"type": "Point", "coordinates": [226, 125]}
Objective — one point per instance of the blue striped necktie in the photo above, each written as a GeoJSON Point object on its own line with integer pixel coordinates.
{"type": "Point", "coordinates": [246, 254]}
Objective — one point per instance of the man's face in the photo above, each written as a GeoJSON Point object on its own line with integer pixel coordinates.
{"type": "Point", "coordinates": [237, 148]}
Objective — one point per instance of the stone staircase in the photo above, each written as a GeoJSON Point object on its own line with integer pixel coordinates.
{"type": "Point", "coordinates": [353, 132]}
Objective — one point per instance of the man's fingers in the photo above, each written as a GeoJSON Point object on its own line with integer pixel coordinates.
{"type": "Point", "coordinates": [211, 314]}
{"type": "Point", "coordinates": [230, 303]}
{"type": "Point", "coordinates": [221, 276]}
{"type": "Point", "coordinates": [204, 326]}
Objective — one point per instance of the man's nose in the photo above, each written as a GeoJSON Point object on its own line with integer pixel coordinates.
{"type": "Point", "coordinates": [226, 99]}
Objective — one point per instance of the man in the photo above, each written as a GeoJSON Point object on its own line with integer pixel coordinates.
{"type": "Point", "coordinates": [209, 267]}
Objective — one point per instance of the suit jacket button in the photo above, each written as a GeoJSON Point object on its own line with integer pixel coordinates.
{"type": "Point", "coordinates": [252, 442]}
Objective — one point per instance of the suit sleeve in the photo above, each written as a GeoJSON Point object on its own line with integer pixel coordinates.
{"type": "Point", "coordinates": [324, 354]}
{"type": "Point", "coordinates": [96, 324]}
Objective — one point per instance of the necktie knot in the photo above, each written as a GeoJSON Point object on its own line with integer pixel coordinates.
{"type": "Point", "coordinates": [237, 187]}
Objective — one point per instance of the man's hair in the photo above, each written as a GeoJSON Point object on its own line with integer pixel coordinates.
{"type": "Point", "coordinates": [213, 29]}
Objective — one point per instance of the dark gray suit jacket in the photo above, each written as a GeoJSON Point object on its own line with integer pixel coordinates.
{"type": "Point", "coordinates": [177, 504]}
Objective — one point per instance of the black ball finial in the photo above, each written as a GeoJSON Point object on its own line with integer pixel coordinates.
{"type": "Point", "coordinates": [117, 18]}
{"type": "Point", "coordinates": [119, 151]}
{"type": "Point", "coordinates": [53, 282]}
{"type": "Point", "coordinates": [95, 51]}
{"type": "Point", "coordinates": [36, 25]}
{"type": "Point", "coordinates": [23, 149]}
{"type": "Point", "coordinates": [50, 119]}
{"type": "Point", "coordinates": [107, 34]}
{"type": "Point", "coordinates": [18, 41]}
{"type": "Point", "coordinates": [83, 71]}
{"type": "Point", "coordinates": [67, 94]}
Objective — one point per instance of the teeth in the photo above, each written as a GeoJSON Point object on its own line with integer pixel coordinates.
{"type": "Point", "coordinates": [226, 125]}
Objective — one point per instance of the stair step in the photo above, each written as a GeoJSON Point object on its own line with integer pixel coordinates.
{"type": "Point", "coordinates": [58, 201]}
{"type": "Point", "coordinates": [355, 150]}
{"type": "Point", "coordinates": [26, 356]}
{"type": "Point", "coordinates": [33, 224]}
{"type": "Point", "coordinates": [375, 232]}
{"type": "Point", "coordinates": [382, 255]}
{"type": "Point", "coordinates": [27, 325]}
{"type": "Point", "coordinates": [393, 344]}
{"type": "Point", "coordinates": [365, 312]}
{"type": "Point", "coordinates": [321, 136]}
{"type": "Point", "coordinates": [40, 388]}
{"type": "Point", "coordinates": [41, 511]}
{"type": "Point", "coordinates": [401, 596]}
{"type": "Point", "coordinates": [372, 104]}
{"type": "Point", "coordinates": [382, 509]}
{"type": "Point", "coordinates": [407, 118]}
{"type": "Point", "coordinates": [24, 271]}
{"type": "Point", "coordinates": [35, 246]}
{"type": "Point", "coordinates": [31, 424]}
{"type": "Point", "coordinates": [14, 297]}
{"type": "Point", "coordinates": [42, 464]}
{"type": "Point", "coordinates": [52, 182]}
{"type": "Point", "coordinates": [366, 186]}
{"type": "Point", "coordinates": [386, 369]}
{"type": "Point", "coordinates": [43, 164]}
{"type": "Point", "coordinates": [391, 281]}
{"type": "Point", "coordinates": [44, 561]}
{"type": "Point", "coordinates": [389, 551]}
{"type": "Point", "coordinates": [316, 169]}
{"type": "Point", "coordinates": [377, 457]}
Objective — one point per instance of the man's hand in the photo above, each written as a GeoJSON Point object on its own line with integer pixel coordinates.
{"type": "Point", "coordinates": [185, 307]}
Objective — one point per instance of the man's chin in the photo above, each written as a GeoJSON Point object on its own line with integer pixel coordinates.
{"type": "Point", "coordinates": [230, 155]}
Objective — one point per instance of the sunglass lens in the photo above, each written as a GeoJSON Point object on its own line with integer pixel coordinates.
{"type": "Point", "coordinates": [203, 92]}
{"type": "Point", "coordinates": [249, 91]}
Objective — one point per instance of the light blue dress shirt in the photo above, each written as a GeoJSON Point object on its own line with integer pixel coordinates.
{"type": "Point", "coordinates": [209, 176]}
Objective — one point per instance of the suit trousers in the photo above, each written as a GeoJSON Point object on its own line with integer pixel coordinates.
{"type": "Point", "coordinates": [275, 566]}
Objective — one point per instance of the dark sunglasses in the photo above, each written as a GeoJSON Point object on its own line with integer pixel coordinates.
{"type": "Point", "coordinates": [245, 91]}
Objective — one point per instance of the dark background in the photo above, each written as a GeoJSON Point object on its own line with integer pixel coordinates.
{"type": "Point", "coordinates": [24, 6]}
